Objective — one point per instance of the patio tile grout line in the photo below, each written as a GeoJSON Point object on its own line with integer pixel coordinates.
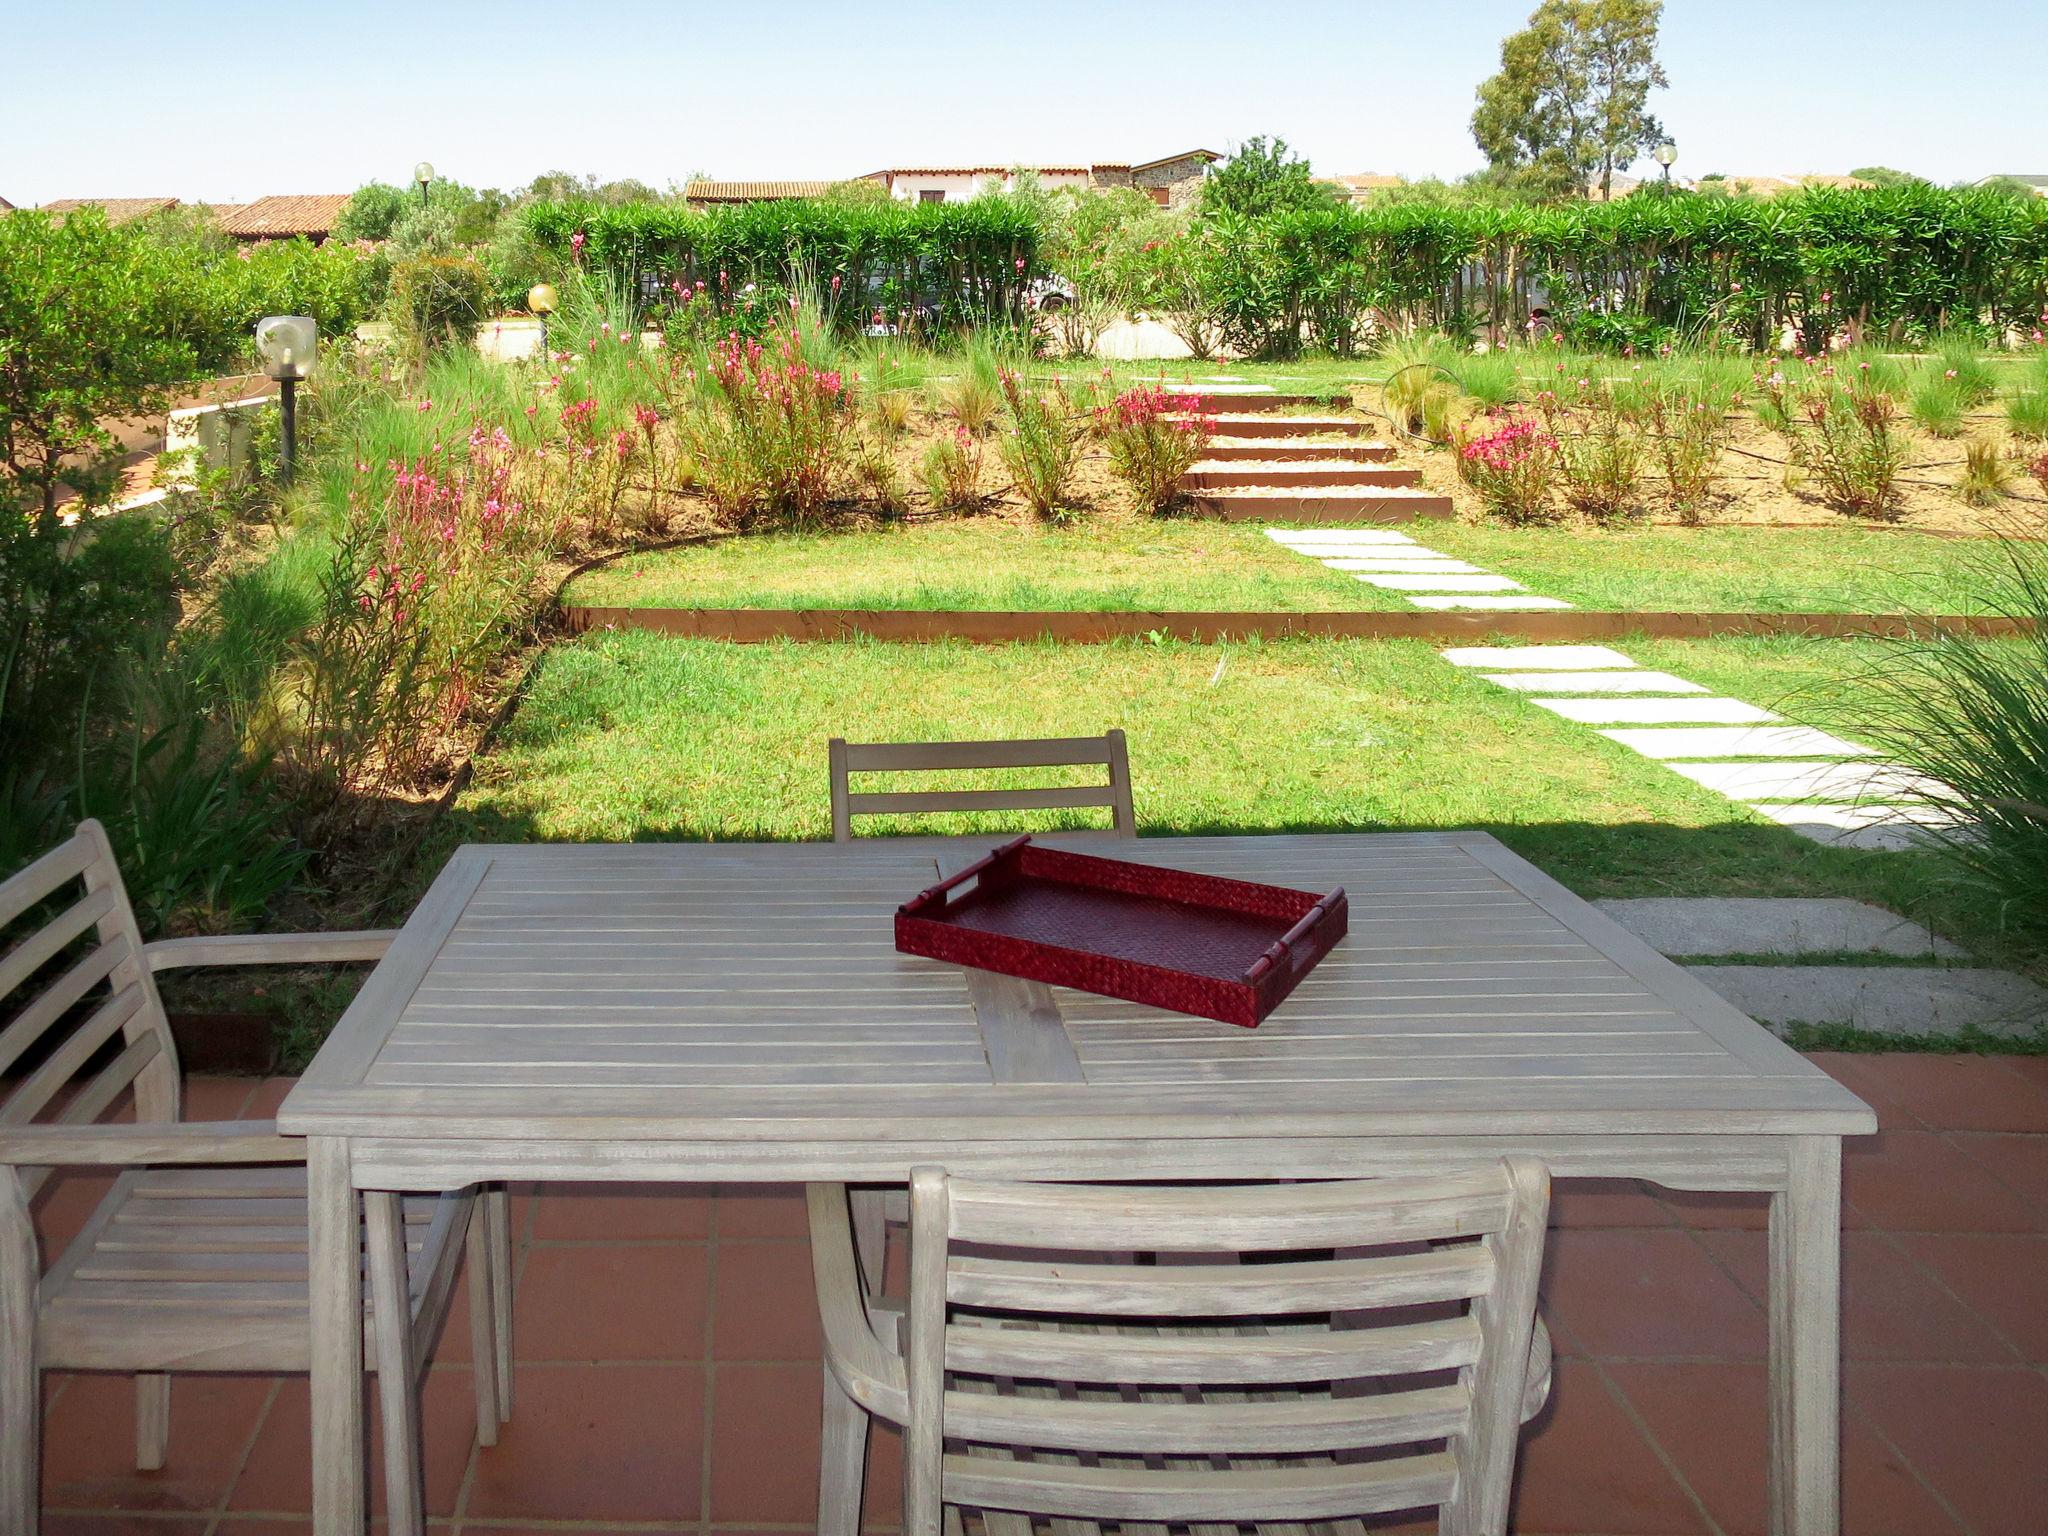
{"type": "Point", "coordinates": [1664, 1458]}
{"type": "Point", "coordinates": [227, 1493]}
{"type": "Point", "coordinates": [710, 1429]}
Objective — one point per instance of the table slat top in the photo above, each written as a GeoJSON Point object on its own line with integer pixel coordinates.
{"type": "Point", "coordinates": [753, 991]}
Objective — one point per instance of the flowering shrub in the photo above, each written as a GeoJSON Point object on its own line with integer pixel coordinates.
{"type": "Point", "coordinates": [767, 430]}
{"type": "Point", "coordinates": [1513, 465]}
{"type": "Point", "coordinates": [1041, 444]}
{"type": "Point", "coordinates": [952, 471]}
{"type": "Point", "coordinates": [1843, 436]}
{"type": "Point", "coordinates": [2039, 470]}
{"type": "Point", "coordinates": [1601, 454]}
{"type": "Point", "coordinates": [1687, 435]}
{"type": "Point", "coordinates": [1154, 438]}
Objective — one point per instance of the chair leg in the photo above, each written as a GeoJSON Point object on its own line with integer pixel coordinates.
{"type": "Point", "coordinates": [842, 1461]}
{"type": "Point", "coordinates": [20, 1398]}
{"type": "Point", "coordinates": [398, 1399]}
{"type": "Point", "coordinates": [498, 1223]}
{"type": "Point", "coordinates": [483, 1325]}
{"type": "Point", "coordinates": [152, 1420]}
{"type": "Point", "coordinates": [870, 1216]}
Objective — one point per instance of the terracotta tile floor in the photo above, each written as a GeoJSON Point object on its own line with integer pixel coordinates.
{"type": "Point", "coordinates": [667, 1357]}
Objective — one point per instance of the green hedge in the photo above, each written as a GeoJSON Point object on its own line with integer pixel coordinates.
{"type": "Point", "coordinates": [1901, 262]}
{"type": "Point", "coordinates": [967, 262]}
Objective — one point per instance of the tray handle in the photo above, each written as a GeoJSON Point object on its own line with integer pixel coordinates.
{"type": "Point", "coordinates": [1277, 951]}
{"type": "Point", "coordinates": [931, 894]}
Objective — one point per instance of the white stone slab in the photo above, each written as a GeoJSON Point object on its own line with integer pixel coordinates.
{"type": "Point", "coordinates": [1593, 682]}
{"type": "Point", "coordinates": [1666, 742]}
{"type": "Point", "coordinates": [1696, 926]}
{"type": "Point", "coordinates": [1888, 1000]}
{"type": "Point", "coordinates": [1853, 818]}
{"type": "Point", "coordinates": [1376, 552]}
{"type": "Point", "coordinates": [1658, 711]}
{"type": "Point", "coordinates": [1491, 604]}
{"type": "Point", "coordinates": [1807, 781]}
{"type": "Point", "coordinates": [1303, 538]}
{"type": "Point", "coordinates": [1439, 567]}
{"type": "Point", "coordinates": [1536, 658]}
{"type": "Point", "coordinates": [1483, 582]}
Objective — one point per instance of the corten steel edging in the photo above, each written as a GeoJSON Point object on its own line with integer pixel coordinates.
{"type": "Point", "coordinates": [755, 625]}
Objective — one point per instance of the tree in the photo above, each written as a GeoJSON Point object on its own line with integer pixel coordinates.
{"type": "Point", "coordinates": [1262, 177]}
{"type": "Point", "coordinates": [1885, 176]}
{"type": "Point", "coordinates": [1571, 99]}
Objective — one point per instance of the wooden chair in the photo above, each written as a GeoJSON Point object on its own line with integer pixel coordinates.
{"type": "Point", "coordinates": [196, 1258]}
{"type": "Point", "coordinates": [899, 757]}
{"type": "Point", "coordinates": [1043, 1373]}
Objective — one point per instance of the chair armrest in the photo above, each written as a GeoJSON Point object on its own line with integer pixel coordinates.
{"type": "Point", "coordinates": [148, 1146]}
{"type": "Point", "coordinates": [270, 949]}
{"type": "Point", "coordinates": [872, 1375]}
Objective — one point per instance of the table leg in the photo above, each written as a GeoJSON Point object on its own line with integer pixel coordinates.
{"type": "Point", "coordinates": [1805, 1351]}
{"type": "Point", "coordinates": [335, 1293]}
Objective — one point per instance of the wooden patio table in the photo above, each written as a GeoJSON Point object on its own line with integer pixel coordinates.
{"type": "Point", "coordinates": [657, 1012]}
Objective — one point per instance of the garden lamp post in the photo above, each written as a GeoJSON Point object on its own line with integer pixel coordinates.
{"type": "Point", "coordinates": [423, 173]}
{"type": "Point", "coordinates": [1664, 154]}
{"type": "Point", "coordinates": [286, 345]}
{"type": "Point", "coordinates": [540, 300]}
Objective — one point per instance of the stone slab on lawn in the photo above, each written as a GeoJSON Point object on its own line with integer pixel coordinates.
{"type": "Point", "coordinates": [1492, 604]}
{"type": "Point", "coordinates": [1853, 782]}
{"type": "Point", "coordinates": [1666, 742]}
{"type": "Point", "coordinates": [1483, 582]}
{"type": "Point", "coordinates": [1317, 538]}
{"type": "Point", "coordinates": [1877, 828]}
{"type": "Point", "coordinates": [1385, 556]}
{"type": "Point", "coordinates": [1638, 681]}
{"type": "Point", "coordinates": [1759, 925]}
{"type": "Point", "coordinates": [1657, 711]}
{"type": "Point", "coordinates": [1439, 565]}
{"type": "Point", "coordinates": [1536, 658]}
{"type": "Point", "coordinates": [1884, 999]}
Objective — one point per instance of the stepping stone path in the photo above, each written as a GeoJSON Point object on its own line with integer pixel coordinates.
{"type": "Point", "coordinates": [1274, 455]}
{"type": "Point", "coordinates": [1426, 578]}
{"type": "Point", "coordinates": [1726, 745]}
{"type": "Point", "coordinates": [1691, 926]}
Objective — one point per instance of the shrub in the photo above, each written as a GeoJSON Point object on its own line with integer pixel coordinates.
{"type": "Point", "coordinates": [1843, 436]}
{"type": "Point", "coordinates": [974, 394]}
{"type": "Point", "coordinates": [438, 301]}
{"type": "Point", "coordinates": [1972, 714]}
{"type": "Point", "coordinates": [1938, 404]}
{"type": "Point", "coordinates": [2026, 413]}
{"type": "Point", "coordinates": [1601, 455]}
{"type": "Point", "coordinates": [1042, 443]}
{"type": "Point", "coordinates": [767, 431]}
{"type": "Point", "coordinates": [1687, 435]}
{"type": "Point", "coordinates": [1513, 465]}
{"type": "Point", "coordinates": [952, 472]}
{"type": "Point", "coordinates": [1974, 380]}
{"type": "Point", "coordinates": [1154, 438]}
{"type": "Point", "coordinates": [1986, 479]}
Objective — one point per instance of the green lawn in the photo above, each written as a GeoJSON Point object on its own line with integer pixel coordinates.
{"type": "Point", "coordinates": [636, 736]}
{"type": "Point", "coordinates": [1103, 563]}
{"type": "Point", "coordinates": [1729, 569]}
{"type": "Point", "coordinates": [1115, 562]}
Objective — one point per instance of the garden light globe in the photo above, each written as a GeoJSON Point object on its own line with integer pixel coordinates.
{"type": "Point", "coordinates": [286, 345]}
{"type": "Point", "coordinates": [540, 299]}
{"type": "Point", "coordinates": [423, 172]}
{"type": "Point", "coordinates": [1664, 154]}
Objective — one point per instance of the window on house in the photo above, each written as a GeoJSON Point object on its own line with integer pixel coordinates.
{"type": "Point", "coordinates": [932, 195]}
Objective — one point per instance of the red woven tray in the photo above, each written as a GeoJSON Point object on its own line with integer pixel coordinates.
{"type": "Point", "coordinates": [1200, 944]}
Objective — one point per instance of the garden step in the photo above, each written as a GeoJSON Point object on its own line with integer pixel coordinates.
{"type": "Point", "coordinates": [1250, 399]}
{"type": "Point", "coordinates": [1238, 424]}
{"type": "Point", "coordinates": [1329, 473]}
{"type": "Point", "coordinates": [1378, 504]}
{"type": "Point", "coordinates": [1294, 450]}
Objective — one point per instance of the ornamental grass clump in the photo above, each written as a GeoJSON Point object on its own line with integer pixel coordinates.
{"type": "Point", "coordinates": [1154, 438]}
{"type": "Point", "coordinates": [951, 472]}
{"type": "Point", "coordinates": [1972, 714]}
{"type": "Point", "coordinates": [1041, 443]}
{"type": "Point", "coordinates": [1511, 461]}
{"type": "Point", "coordinates": [1986, 478]}
{"type": "Point", "coordinates": [767, 431]}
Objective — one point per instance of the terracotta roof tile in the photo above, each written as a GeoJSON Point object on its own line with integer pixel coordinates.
{"type": "Point", "coordinates": [704, 191]}
{"type": "Point", "coordinates": [280, 217]}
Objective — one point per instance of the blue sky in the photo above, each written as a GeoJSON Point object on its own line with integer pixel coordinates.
{"type": "Point", "coordinates": [216, 100]}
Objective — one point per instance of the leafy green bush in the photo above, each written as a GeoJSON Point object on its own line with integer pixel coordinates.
{"type": "Point", "coordinates": [438, 301]}
{"type": "Point", "coordinates": [1041, 444]}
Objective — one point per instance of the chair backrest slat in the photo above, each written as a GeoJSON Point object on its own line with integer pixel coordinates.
{"type": "Point", "coordinates": [1387, 1316]}
{"type": "Point", "coordinates": [1108, 751]}
{"type": "Point", "coordinates": [72, 986]}
{"type": "Point", "coordinates": [1221, 1290]}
